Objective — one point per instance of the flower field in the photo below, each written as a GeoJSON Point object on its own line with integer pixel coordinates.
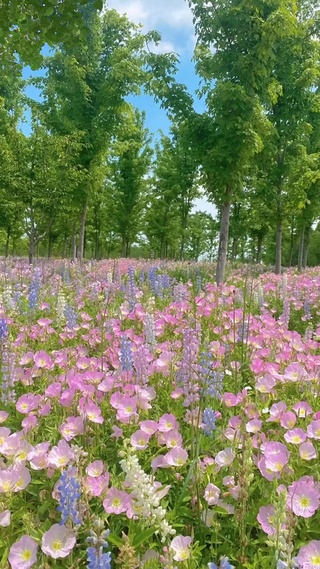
{"type": "Point", "coordinates": [149, 418]}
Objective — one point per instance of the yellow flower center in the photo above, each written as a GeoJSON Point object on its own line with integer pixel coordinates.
{"type": "Point", "coordinates": [296, 439]}
{"type": "Point", "coordinates": [26, 555]}
{"type": "Point", "coordinates": [184, 554]}
{"type": "Point", "coordinates": [304, 501]}
{"type": "Point", "coordinates": [62, 461]}
{"type": "Point", "coordinates": [56, 545]}
{"type": "Point", "coordinates": [116, 502]}
{"type": "Point", "coordinates": [315, 559]}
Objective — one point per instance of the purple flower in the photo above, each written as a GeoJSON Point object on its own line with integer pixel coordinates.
{"type": "Point", "coordinates": [23, 553]}
{"type": "Point", "coordinates": [309, 556]}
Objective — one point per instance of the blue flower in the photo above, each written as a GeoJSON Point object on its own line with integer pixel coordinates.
{"type": "Point", "coordinates": [209, 420]}
{"type": "Point", "coordinates": [69, 494]}
{"type": "Point", "coordinates": [224, 564]}
{"type": "Point", "coordinates": [126, 356]}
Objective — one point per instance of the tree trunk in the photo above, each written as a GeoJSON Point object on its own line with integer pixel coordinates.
{"type": "Point", "coordinates": [301, 249]}
{"type": "Point", "coordinates": [306, 247]}
{"type": "Point", "coordinates": [32, 248]}
{"type": "Point", "coordinates": [259, 248]}
{"type": "Point", "coordinates": [291, 246]}
{"type": "Point", "coordinates": [50, 241]}
{"type": "Point", "coordinates": [224, 236]}
{"type": "Point", "coordinates": [64, 247]}
{"type": "Point", "coordinates": [278, 247]}
{"type": "Point", "coordinates": [82, 231]}
{"type": "Point", "coordinates": [234, 249]}
{"type": "Point", "coordinates": [74, 247]}
{"type": "Point", "coordinates": [7, 241]}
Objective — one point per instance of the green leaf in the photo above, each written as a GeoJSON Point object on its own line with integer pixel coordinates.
{"type": "Point", "coordinates": [140, 537]}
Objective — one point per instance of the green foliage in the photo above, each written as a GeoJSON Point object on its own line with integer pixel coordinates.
{"type": "Point", "coordinates": [26, 25]}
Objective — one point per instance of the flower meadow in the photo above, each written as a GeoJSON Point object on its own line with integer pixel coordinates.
{"type": "Point", "coordinates": [150, 419]}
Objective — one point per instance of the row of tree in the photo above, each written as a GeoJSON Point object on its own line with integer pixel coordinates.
{"type": "Point", "coordinates": [89, 181]}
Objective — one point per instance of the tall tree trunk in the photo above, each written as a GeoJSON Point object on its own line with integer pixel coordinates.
{"type": "Point", "coordinates": [8, 233]}
{"type": "Point", "coordinates": [224, 236]}
{"type": "Point", "coordinates": [74, 246]}
{"type": "Point", "coordinates": [278, 247]}
{"type": "Point", "coordinates": [301, 249]}
{"type": "Point", "coordinates": [259, 247]}
{"type": "Point", "coordinates": [50, 241]}
{"type": "Point", "coordinates": [234, 248]}
{"type": "Point", "coordinates": [291, 245]}
{"type": "Point", "coordinates": [64, 247]}
{"type": "Point", "coordinates": [306, 247]}
{"type": "Point", "coordinates": [32, 248]}
{"type": "Point", "coordinates": [82, 231]}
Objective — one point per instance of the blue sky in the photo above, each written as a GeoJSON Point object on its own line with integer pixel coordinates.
{"type": "Point", "coordinates": [173, 19]}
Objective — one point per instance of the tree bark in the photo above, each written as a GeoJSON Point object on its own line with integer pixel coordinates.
{"type": "Point", "coordinates": [234, 249]}
{"type": "Point", "coordinates": [259, 247]}
{"type": "Point", "coordinates": [50, 241]}
{"type": "Point", "coordinates": [74, 247]}
{"type": "Point", "coordinates": [32, 248]}
{"type": "Point", "coordinates": [8, 233]}
{"type": "Point", "coordinates": [82, 231]}
{"type": "Point", "coordinates": [306, 247]}
{"type": "Point", "coordinates": [291, 246]}
{"type": "Point", "coordinates": [278, 247]}
{"type": "Point", "coordinates": [301, 249]}
{"type": "Point", "coordinates": [224, 236]}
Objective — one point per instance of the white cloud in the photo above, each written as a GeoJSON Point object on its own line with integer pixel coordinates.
{"type": "Point", "coordinates": [153, 14]}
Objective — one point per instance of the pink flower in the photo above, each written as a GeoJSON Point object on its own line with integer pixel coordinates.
{"type": "Point", "coordinates": [23, 553]}
{"type": "Point", "coordinates": [23, 477]}
{"type": "Point", "coordinates": [60, 455]}
{"type": "Point", "coordinates": [5, 518]}
{"type": "Point", "coordinates": [3, 416]}
{"type": "Point", "coordinates": [27, 403]}
{"type": "Point", "coordinates": [167, 422]}
{"type": "Point", "coordinates": [276, 455]}
{"type": "Point", "coordinates": [139, 440]}
{"type": "Point", "coordinates": [266, 472]}
{"type": "Point", "coordinates": [96, 485]}
{"type": "Point", "coordinates": [302, 409]}
{"type": "Point", "coordinates": [43, 360]}
{"type": "Point", "coordinates": [172, 439]}
{"type": "Point", "coordinates": [116, 501]}
{"type": "Point", "coordinates": [230, 399]}
{"type": "Point", "coordinates": [211, 494]}
{"type": "Point", "coordinates": [176, 457]}
{"type": "Point", "coordinates": [295, 437]}
{"type": "Point", "coordinates": [307, 451]}
{"type": "Point", "coordinates": [288, 420]}
{"type": "Point", "coordinates": [71, 428]}
{"type": "Point", "coordinates": [95, 468]}
{"type": "Point", "coordinates": [224, 457]}
{"type": "Point", "coordinates": [265, 384]}
{"type": "Point", "coordinates": [38, 456]}
{"type": "Point", "coordinates": [149, 427]}
{"type": "Point", "coordinates": [58, 541]}
{"type": "Point", "coordinates": [313, 430]}
{"type": "Point", "coordinates": [254, 426]}
{"type": "Point", "coordinates": [8, 481]}
{"type": "Point", "coordinates": [309, 556]}
{"type": "Point", "coordinates": [180, 547]}
{"type": "Point", "coordinates": [266, 518]}
{"type": "Point", "coordinates": [276, 410]}
{"type": "Point", "coordinates": [91, 410]}
{"type": "Point", "coordinates": [303, 498]}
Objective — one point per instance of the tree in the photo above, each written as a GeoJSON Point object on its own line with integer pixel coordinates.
{"type": "Point", "coordinates": [85, 93]}
{"type": "Point", "coordinates": [26, 25]}
{"type": "Point", "coordinates": [129, 168]}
